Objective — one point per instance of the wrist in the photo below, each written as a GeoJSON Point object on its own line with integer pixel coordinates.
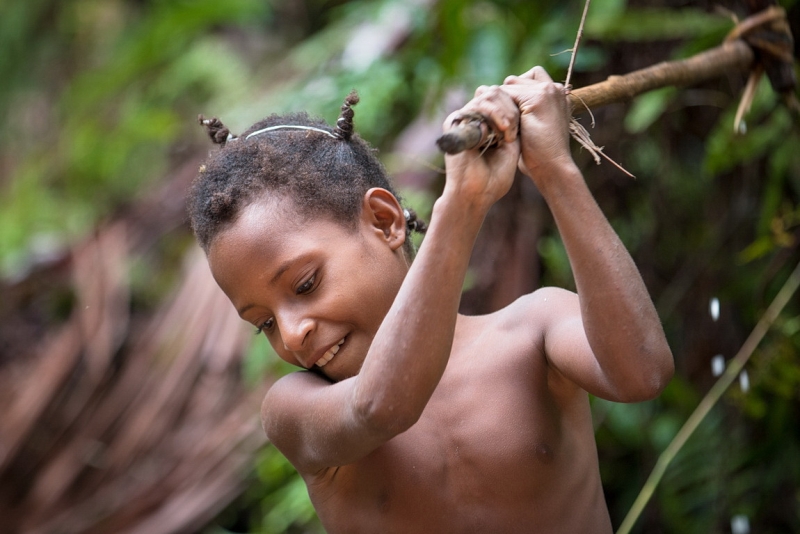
{"type": "Point", "coordinates": [455, 211]}
{"type": "Point", "coordinates": [555, 175]}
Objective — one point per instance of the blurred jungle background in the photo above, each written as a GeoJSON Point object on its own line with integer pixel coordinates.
{"type": "Point", "coordinates": [129, 390]}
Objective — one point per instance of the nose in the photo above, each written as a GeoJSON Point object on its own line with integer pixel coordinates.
{"type": "Point", "coordinates": [295, 331]}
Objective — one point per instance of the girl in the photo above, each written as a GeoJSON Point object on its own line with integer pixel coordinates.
{"type": "Point", "coordinates": [410, 417]}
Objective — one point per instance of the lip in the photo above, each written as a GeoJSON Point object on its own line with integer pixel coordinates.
{"type": "Point", "coordinates": [317, 357]}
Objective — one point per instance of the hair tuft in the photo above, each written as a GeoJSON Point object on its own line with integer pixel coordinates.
{"type": "Point", "coordinates": [414, 223]}
{"type": "Point", "coordinates": [344, 125]}
{"type": "Point", "coordinates": [218, 132]}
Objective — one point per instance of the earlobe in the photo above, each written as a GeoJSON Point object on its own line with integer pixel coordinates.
{"type": "Point", "coordinates": [383, 212]}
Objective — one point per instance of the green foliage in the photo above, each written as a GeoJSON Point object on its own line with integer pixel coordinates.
{"type": "Point", "coordinates": [647, 108]}
{"type": "Point", "coordinates": [452, 43]}
{"type": "Point", "coordinates": [556, 262]}
{"type": "Point", "coordinates": [621, 23]}
{"type": "Point", "coordinates": [285, 503]}
{"type": "Point", "coordinates": [132, 81]}
{"type": "Point", "coordinates": [768, 129]}
{"type": "Point", "coordinates": [275, 502]}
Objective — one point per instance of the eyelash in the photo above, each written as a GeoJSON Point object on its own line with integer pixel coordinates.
{"type": "Point", "coordinates": [264, 326]}
{"type": "Point", "coordinates": [307, 286]}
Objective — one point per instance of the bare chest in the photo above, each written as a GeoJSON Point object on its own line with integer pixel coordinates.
{"type": "Point", "coordinates": [491, 442]}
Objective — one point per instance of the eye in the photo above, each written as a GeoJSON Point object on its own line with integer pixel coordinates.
{"type": "Point", "coordinates": [266, 325]}
{"type": "Point", "coordinates": [307, 286]}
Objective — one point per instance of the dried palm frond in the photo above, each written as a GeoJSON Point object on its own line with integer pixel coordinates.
{"type": "Point", "coordinates": [115, 425]}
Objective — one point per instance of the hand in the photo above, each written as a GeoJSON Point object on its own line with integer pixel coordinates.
{"type": "Point", "coordinates": [483, 176]}
{"type": "Point", "coordinates": [544, 122]}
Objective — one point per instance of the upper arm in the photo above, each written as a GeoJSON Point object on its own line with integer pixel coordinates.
{"type": "Point", "coordinates": [564, 341]}
{"type": "Point", "coordinates": [556, 314]}
{"type": "Point", "coordinates": [624, 373]}
{"type": "Point", "coordinates": [315, 423]}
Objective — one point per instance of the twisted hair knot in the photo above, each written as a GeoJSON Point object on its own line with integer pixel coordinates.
{"type": "Point", "coordinates": [344, 124]}
{"type": "Point", "coordinates": [414, 223]}
{"type": "Point", "coordinates": [218, 132]}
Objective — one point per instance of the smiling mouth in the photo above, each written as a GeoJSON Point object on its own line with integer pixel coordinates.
{"type": "Point", "coordinates": [328, 356]}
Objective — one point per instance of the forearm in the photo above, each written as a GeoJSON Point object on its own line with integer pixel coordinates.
{"type": "Point", "coordinates": [620, 321]}
{"type": "Point", "coordinates": [410, 350]}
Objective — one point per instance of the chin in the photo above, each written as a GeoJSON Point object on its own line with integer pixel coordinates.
{"type": "Point", "coordinates": [327, 372]}
{"type": "Point", "coordinates": [335, 375]}
{"type": "Point", "coordinates": [338, 371]}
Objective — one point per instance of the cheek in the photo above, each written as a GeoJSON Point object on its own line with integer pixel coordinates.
{"type": "Point", "coordinates": [368, 285]}
{"type": "Point", "coordinates": [384, 284]}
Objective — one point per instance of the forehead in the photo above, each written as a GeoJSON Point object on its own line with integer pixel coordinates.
{"type": "Point", "coordinates": [266, 233]}
{"type": "Point", "coordinates": [276, 217]}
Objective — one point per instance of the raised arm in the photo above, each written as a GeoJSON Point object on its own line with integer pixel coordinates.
{"type": "Point", "coordinates": [609, 339]}
{"type": "Point", "coordinates": [317, 424]}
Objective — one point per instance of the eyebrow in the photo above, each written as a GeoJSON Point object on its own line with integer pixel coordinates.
{"type": "Point", "coordinates": [282, 269]}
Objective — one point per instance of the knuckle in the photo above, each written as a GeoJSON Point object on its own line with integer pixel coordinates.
{"type": "Point", "coordinates": [491, 92]}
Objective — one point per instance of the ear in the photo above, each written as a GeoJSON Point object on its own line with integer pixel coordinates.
{"type": "Point", "coordinates": [383, 213]}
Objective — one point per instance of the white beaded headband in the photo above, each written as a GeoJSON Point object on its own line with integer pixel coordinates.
{"type": "Point", "coordinates": [285, 126]}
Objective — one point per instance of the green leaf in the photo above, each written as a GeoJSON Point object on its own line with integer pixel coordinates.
{"type": "Point", "coordinates": [652, 24]}
{"type": "Point", "coordinates": [647, 109]}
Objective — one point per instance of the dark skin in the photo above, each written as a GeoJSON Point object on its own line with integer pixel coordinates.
{"type": "Point", "coordinates": [423, 420]}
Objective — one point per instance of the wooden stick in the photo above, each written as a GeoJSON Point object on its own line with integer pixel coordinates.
{"type": "Point", "coordinates": [732, 56]}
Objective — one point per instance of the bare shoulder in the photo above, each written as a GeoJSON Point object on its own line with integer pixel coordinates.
{"type": "Point", "coordinates": [528, 319]}
{"type": "Point", "coordinates": [544, 326]}
{"type": "Point", "coordinates": [535, 312]}
{"type": "Point", "coordinates": [277, 401]}
{"type": "Point", "coordinates": [319, 424]}
{"type": "Point", "coordinates": [553, 300]}
{"type": "Point", "coordinates": [554, 318]}
{"type": "Point", "coordinates": [300, 414]}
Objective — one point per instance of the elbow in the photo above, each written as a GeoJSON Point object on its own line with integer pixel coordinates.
{"type": "Point", "coordinates": [650, 386]}
{"type": "Point", "coordinates": [650, 380]}
{"type": "Point", "coordinates": [663, 370]}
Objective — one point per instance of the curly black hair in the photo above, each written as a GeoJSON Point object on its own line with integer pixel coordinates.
{"type": "Point", "coordinates": [324, 170]}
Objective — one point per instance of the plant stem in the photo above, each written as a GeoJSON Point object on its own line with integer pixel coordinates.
{"type": "Point", "coordinates": [714, 394]}
{"type": "Point", "coordinates": [577, 43]}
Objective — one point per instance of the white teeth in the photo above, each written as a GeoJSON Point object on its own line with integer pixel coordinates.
{"type": "Point", "coordinates": [328, 356]}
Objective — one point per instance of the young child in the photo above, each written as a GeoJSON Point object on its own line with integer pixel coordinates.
{"type": "Point", "coordinates": [411, 417]}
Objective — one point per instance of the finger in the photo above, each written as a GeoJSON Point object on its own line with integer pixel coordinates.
{"type": "Point", "coordinates": [536, 73]}
{"type": "Point", "coordinates": [528, 97]}
{"type": "Point", "coordinates": [480, 90]}
{"type": "Point", "coordinates": [493, 105]}
{"type": "Point", "coordinates": [502, 112]}
{"type": "Point", "coordinates": [525, 77]}
{"type": "Point", "coordinates": [452, 119]}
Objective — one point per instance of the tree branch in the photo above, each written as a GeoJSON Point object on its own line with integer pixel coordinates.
{"type": "Point", "coordinates": [734, 56]}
